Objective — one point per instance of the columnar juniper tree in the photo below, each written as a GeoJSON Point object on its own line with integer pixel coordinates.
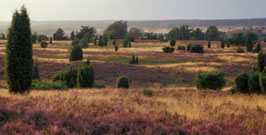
{"type": "Point", "coordinates": [19, 62]}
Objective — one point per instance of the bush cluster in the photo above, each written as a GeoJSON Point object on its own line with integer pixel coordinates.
{"type": "Point", "coordinates": [122, 82]}
{"type": "Point", "coordinates": [172, 43]}
{"type": "Point", "coordinates": [81, 76]}
{"type": "Point", "coordinates": [196, 48]}
{"type": "Point", "coordinates": [240, 50]}
{"type": "Point", "coordinates": [39, 85]}
{"type": "Point", "coordinates": [255, 82]}
{"type": "Point", "coordinates": [134, 60]}
{"type": "Point", "coordinates": [168, 49]}
{"type": "Point", "coordinates": [214, 80]}
{"type": "Point", "coordinates": [181, 47]}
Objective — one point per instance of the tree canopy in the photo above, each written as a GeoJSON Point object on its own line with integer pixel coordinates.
{"type": "Point", "coordinates": [117, 30]}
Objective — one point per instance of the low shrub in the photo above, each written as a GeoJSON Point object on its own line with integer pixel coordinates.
{"type": "Point", "coordinates": [76, 53]}
{"type": "Point", "coordinates": [181, 47]}
{"type": "Point", "coordinates": [44, 44]}
{"type": "Point", "coordinates": [122, 82]}
{"type": "Point", "coordinates": [241, 83]}
{"type": "Point", "coordinates": [125, 42]}
{"type": "Point", "coordinates": [35, 73]}
{"type": "Point", "coordinates": [172, 43]}
{"type": "Point", "coordinates": [39, 85]}
{"type": "Point", "coordinates": [263, 83]}
{"type": "Point", "coordinates": [168, 49]}
{"type": "Point", "coordinates": [196, 48]}
{"type": "Point", "coordinates": [214, 80]}
{"type": "Point", "coordinates": [240, 50]}
{"type": "Point", "coordinates": [116, 48]}
{"type": "Point", "coordinates": [209, 44]}
{"type": "Point", "coordinates": [147, 92]}
{"type": "Point", "coordinates": [134, 60]}
{"type": "Point", "coordinates": [254, 83]}
{"type": "Point", "coordinates": [189, 47]}
{"type": "Point", "coordinates": [85, 76]}
{"type": "Point", "coordinates": [69, 76]}
{"type": "Point", "coordinates": [98, 86]}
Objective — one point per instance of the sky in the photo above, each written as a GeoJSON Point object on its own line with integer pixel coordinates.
{"type": "Point", "coordinates": [41, 10]}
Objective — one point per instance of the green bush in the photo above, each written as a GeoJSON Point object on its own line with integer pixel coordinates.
{"type": "Point", "coordinates": [214, 80]}
{"type": "Point", "coordinates": [168, 49]}
{"type": "Point", "coordinates": [241, 83]}
{"type": "Point", "coordinates": [134, 60]}
{"type": "Point", "coordinates": [76, 53]}
{"type": "Point", "coordinates": [114, 42]}
{"type": "Point", "coordinates": [35, 73]}
{"type": "Point", "coordinates": [88, 61]}
{"type": "Point", "coordinates": [69, 76]}
{"type": "Point", "coordinates": [209, 44]}
{"type": "Point", "coordinates": [122, 82]}
{"type": "Point", "coordinates": [181, 47]}
{"type": "Point", "coordinates": [261, 62]}
{"type": "Point", "coordinates": [116, 48]}
{"type": "Point", "coordinates": [85, 76]}
{"type": "Point", "coordinates": [263, 83]}
{"type": "Point", "coordinates": [44, 44]}
{"type": "Point", "coordinates": [240, 50]}
{"type": "Point", "coordinates": [172, 43]}
{"type": "Point", "coordinates": [222, 44]}
{"type": "Point", "coordinates": [189, 46]}
{"type": "Point", "coordinates": [254, 83]}
{"type": "Point", "coordinates": [18, 53]}
{"type": "Point", "coordinates": [147, 92]}
{"type": "Point", "coordinates": [98, 86]}
{"type": "Point", "coordinates": [125, 42]}
{"type": "Point", "coordinates": [58, 85]}
{"type": "Point", "coordinates": [196, 48]}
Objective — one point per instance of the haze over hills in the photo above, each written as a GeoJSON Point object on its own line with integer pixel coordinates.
{"type": "Point", "coordinates": [49, 27]}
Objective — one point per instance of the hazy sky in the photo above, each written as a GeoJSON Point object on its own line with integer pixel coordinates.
{"type": "Point", "coordinates": [135, 9]}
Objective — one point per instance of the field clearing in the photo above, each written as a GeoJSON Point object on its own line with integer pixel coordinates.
{"type": "Point", "coordinates": [174, 107]}
{"type": "Point", "coordinates": [155, 69]}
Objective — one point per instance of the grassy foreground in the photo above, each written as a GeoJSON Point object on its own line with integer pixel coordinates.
{"type": "Point", "coordinates": [119, 111]}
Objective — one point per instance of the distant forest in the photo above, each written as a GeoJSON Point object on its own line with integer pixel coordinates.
{"type": "Point", "coordinates": [49, 27]}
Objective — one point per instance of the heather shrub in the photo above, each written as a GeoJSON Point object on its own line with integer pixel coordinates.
{"type": "Point", "coordinates": [76, 53]}
{"type": "Point", "coordinates": [18, 53]}
{"type": "Point", "coordinates": [214, 80]}
{"type": "Point", "coordinates": [263, 83]}
{"type": "Point", "coordinates": [44, 44]}
{"type": "Point", "coordinates": [39, 85]}
{"type": "Point", "coordinates": [98, 86]}
{"type": "Point", "coordinates": [196, 48]}
{"type": "Point", "coordinates": [85, 76]}
{"type": "Point", "coordinates": [172, 43]}
{"type": "Point", "coordinates": [69, 76]}
{"type": "Point", "coordinates": [181, 47]}
{"type": "Point", "coordinates": [116, 48]}
{"type": "Point", "coordinates": [122, 82]}
{"type": "Point", "coordinates": [240, 50]}
{"type": "Point", "coordinates": [254, 83]}
{"type": "Point", "coordinates": [168, 49]}
{"type": "Point", "coordinates": [147, 92]}
{"type": "Point", "coordinates": [241, 83]}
